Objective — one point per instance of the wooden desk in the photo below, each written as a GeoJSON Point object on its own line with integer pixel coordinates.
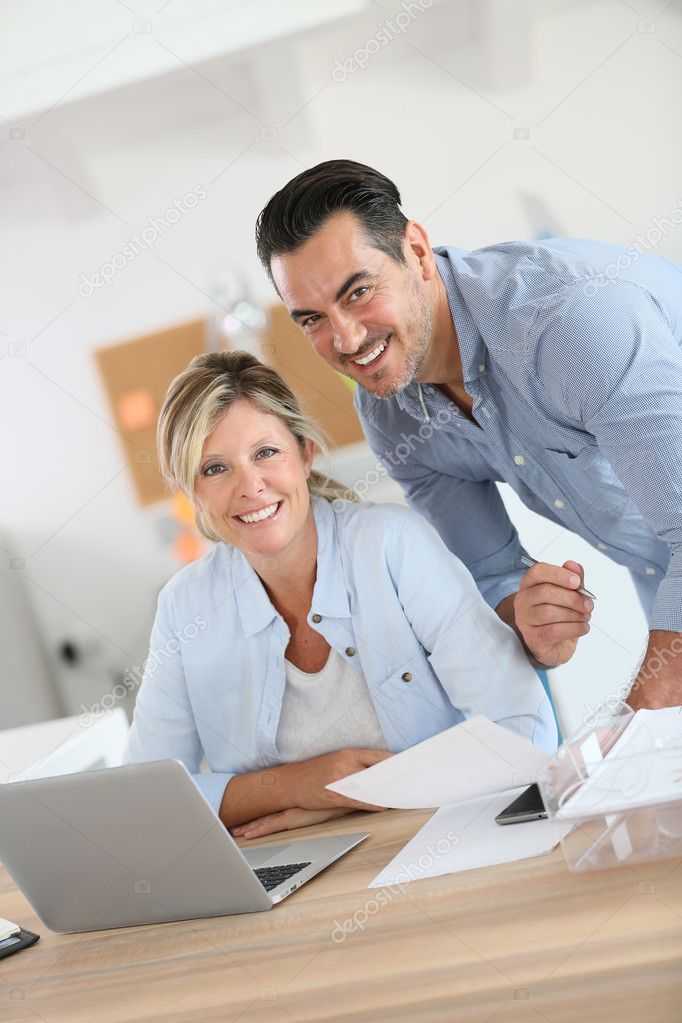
{"type": "Point", "coordinates": [518, 943]}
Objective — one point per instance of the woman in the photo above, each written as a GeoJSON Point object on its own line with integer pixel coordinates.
{"type": "Point", "coordinates": [319, 635]}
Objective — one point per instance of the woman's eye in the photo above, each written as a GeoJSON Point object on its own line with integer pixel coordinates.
{"type": "Point", "coordinates": [267, 452]}
{"type": "Point", "coordinates": [208, 471]}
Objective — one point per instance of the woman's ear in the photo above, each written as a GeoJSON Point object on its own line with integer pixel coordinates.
{"type": "Point", "coordinates": [198, 508]}
{"type": "Point", "coordinates": [308, 456]}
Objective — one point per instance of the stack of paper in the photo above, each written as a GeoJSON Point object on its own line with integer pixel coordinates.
{"type": "Point", "coordinates": [7, 928]}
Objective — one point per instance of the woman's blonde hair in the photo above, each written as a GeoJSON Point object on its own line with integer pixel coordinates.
{"type": "Point", "coordinates": [201, 395]}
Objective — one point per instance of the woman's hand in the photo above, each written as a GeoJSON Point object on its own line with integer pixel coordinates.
{"type": "Point", "coordinates": [273, 791]}
{"type": "Point", "coordinates": [308, 779]}
{"type": "Point", "coordinates": [287, 820]}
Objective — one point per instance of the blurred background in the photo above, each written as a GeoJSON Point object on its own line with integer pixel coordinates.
{"type": "Point", "coordinates": [138, 143]}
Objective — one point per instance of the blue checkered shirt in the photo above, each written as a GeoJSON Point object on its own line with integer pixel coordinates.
{"type": "Point", "coordinates": [571, 353]}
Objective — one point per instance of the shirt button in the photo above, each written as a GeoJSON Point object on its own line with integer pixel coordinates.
{"type": "Point", "coordinates": [485, 413]}
{"type": "Point", "coordinates": [558, 503]}
{"type": "Point", "coordinates": [602, 546]}
{"type": "Point", "coordinates": [350, 651]}
{"type": "Point", "coordinates": [481, 368]}
{"type": "Point", "coordinates": [519, 459]}
{"type": "Point", "coordinates": [407, 677]}
{"type": "Point", "coordinates": [317, 619]}
{"type": "Point", "coordinates": [650, 571]}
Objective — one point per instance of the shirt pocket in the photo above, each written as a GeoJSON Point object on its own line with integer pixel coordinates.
{"type": "Point", "coordinates": [589, 478]}
{"type": "Point", "coordinates": [412, 698]}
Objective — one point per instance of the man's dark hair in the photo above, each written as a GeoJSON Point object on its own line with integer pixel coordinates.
{"type": "Point", "coordinates": [306, 202]}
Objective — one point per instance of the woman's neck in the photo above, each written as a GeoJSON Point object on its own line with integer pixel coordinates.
{"type": "Point", "coordinates": [289, 575]}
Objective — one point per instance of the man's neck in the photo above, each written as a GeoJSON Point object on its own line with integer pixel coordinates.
{"type": "Point", "coordinates": [443, 365]}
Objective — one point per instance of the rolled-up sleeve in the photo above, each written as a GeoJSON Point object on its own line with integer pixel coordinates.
{"type": "Point", "coordinates": [163, 722]}
{"type": "Point", "coordinates": [468, 515]}
{"type": "Point", "coordinates": [612, 363]}
{"type": "Point", "coordinates": [479, 661]}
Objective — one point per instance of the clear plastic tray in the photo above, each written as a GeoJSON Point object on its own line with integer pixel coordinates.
{"type": "Point", "coordinates": [618, 790]}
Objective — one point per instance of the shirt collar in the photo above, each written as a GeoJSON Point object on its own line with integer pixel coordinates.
{"type": "Point", "coordinates": [471, 346]}
{"type": "Point", "coordinates": [253, 603]}
{"type": "Point", "coordinates": [330, 598]}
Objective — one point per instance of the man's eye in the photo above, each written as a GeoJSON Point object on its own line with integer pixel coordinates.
{"type": "Point", "coordinates": [358, 292]}
{"type": "Point", "coordinates": [310, 321]}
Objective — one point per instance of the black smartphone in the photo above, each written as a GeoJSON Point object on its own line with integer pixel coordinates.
{"type": "Point", "coordinates": [526, 807]}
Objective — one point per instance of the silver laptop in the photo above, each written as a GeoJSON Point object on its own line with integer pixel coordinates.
{"type": "Point", "coordinates": [139, 845]}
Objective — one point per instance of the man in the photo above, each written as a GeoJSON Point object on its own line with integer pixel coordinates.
{"type": "Point", "coordinates": [554, 366]}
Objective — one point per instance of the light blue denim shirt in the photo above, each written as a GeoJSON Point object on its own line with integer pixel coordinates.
{"type": "Point", "coordinates": [571, 351]}
{"type": "Point", "coordinates": [389, 598]}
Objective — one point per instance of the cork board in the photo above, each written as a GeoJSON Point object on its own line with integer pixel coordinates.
{"type": "Point", "coordinates": [136, 375]}
{"type": "Point", "coordinates": [324, 394]}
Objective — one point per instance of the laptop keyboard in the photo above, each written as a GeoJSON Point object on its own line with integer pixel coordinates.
{"type": "Point", "coordinates": [270, 877]}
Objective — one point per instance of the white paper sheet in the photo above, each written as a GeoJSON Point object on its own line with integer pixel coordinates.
{"type": "Point", "coordinates": [465, 837]}
{"type": "Point", "coordinates": [472, 759]}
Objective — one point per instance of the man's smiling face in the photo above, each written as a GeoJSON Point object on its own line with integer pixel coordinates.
{"type": "Point", "coordinates": [368, 316]}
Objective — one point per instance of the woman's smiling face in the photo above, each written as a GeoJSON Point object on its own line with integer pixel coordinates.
{"type": "Point", "coordinates": [252, 481]}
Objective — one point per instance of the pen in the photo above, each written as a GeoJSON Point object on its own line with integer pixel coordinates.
{"type": "Point", "coordinates": [529, 562]}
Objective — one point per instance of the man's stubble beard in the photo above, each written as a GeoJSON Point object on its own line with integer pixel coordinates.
{"type": "Point", "coordinates": [419, 326]}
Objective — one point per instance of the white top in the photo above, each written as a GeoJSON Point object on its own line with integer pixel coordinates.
{"type": "Point", "coordinates": [325, 711]}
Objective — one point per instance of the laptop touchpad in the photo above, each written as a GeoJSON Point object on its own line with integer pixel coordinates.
{"type": "Point", "coordinates": [270, 854]}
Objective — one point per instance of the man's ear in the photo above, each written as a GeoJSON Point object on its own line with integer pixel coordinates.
{"type": "Point", "coordinates": [417, 249]}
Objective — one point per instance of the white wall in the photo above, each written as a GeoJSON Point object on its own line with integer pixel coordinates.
{"type": "Point", "coordinates": [439, 108]}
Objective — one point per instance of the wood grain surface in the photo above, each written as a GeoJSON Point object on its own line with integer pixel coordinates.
{"type": "Point", "coordinates": [524, 942]}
